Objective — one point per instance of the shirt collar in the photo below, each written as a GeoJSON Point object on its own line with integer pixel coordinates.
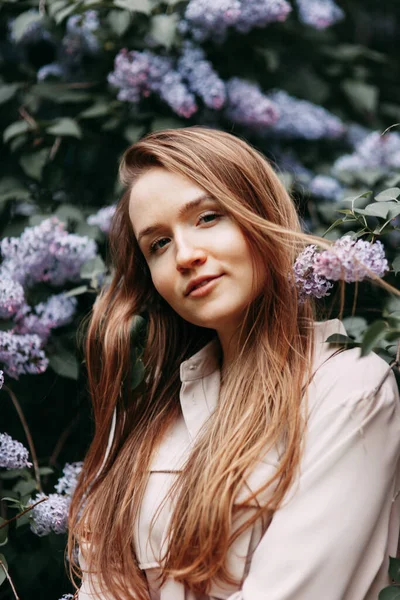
{"type": "Point", "coordinates": [203, 363]}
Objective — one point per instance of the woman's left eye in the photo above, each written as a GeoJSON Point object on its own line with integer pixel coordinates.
{"type": "Point", "coordinates": [209, 217]}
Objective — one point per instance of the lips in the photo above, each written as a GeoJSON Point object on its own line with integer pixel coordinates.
{"type": "Point", "coordinates": [198, 282]}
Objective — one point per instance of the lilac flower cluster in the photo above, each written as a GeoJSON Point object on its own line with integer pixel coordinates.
{"type": "Point", "coordinates": [374, 151]}
{"type": "Point", "coordinates": [11, 297]}
{"type": "Point", "coordinates": [13, 454]}
{"type": "Point", "coordinates": [351, 260]}
{"type": "Point", "coordinates": [211, 18]}
{"type": "Point", "coordinates": [308, 282]}
{"type": "Point", "coordinates": [45, 253]}
{"type": "Point", "coordinates": [57, 311]}
{"type": "Point", "coordinates": [67, 483]}
{"type": "Point", "coordinates": [80, 37]}
{"type": "Point", "coordinates": [1, 379]}
{"type": "Point", "coordinates": [247, 104]}
{"type": "Point", "coordinates": [319, 13]}
{"type": "Point", "coordinates": [201, 77]}
{"type": "Point", "coordinates": [22, 354]}
{"type": "Point", "coordinates": [303, 119]}
{"type": "Point", "coordinates": [326, 187]}
{"type": "Point", "coordinates": [347, 259]}
{"type": "Point", "coordinates": [102, 218]}
{"type": "Point", "coordinates": [50, 515]}
{"type": "Point", "coordinates": [137, 74]}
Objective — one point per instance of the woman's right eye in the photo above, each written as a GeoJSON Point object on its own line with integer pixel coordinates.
{"type": "Point", "coordinates": [158, 245]}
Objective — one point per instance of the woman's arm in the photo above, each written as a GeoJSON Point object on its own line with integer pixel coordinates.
{"type": "Point", "coordinates": [329, 539]}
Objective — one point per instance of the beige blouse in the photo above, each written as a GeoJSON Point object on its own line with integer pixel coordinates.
{"type": "Point", "coordinates": [332, 537]}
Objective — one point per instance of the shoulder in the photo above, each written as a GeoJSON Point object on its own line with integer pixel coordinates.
{"type": "Point", "coordinates": [344, 377]}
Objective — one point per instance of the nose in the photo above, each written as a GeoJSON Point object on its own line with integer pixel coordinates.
{"type": "Point", "coordinates": [189, 255]}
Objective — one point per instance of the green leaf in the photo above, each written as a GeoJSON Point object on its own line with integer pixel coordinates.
{"type": "Point", "coordinates": [137, 374]}
{"type": "Point", "coordinates": [22, 22]}
{"type": "Point", "coordinates": [46, 470]}
{"type": "Point", "coordinates": [133, 133]}
{"type": "Point", "coordinates": [343, 340]}
{"type": "Point", "coordinates": [163, 29]}
{"type": "Point", "coordinates": [92, 267]}
{"type": "Point", "coordinates": [119, 21]}
{"type": "Point", "coordinates": [389, 593]}
{"type": "Point", "coordinates": [16, 128]}
{"type": "Point", "coordinates": [160, 123]}
{"type": "Point", "coordinates": [141, 6]}
{"type": "Point", "coordinates": [394, 212]}
{"type": "Point", "coordinates": [389, 194]}
{"type": "Point", "coordinates": [364, 97]}
{"type": "Point", "coordinates": [55, 6]}
{"type": "Point", "coordinates": [376, 209]}
{"type": "Point", "coordinates": [375, 332]}
{"type": "Point", "coordinates": [65, 127]}
{"type": "Point", "coordinates": [396, 265]}
{"type": "Point", "coordinates": [98, 109]}
{"type": "Point", "coordinates": [8, 91]}
{"type": "Point", "coordinates": [65, 12]}
{"type": "Point", "coordinates": [3, 532]}
{"type": "Point", "coordinates": [34, 163]}
{"type": "Point", "coordinates": [3, 568]}
{"type": "Point", "coordinates": [355, 326]}
{"type": "Point", "coordinates": [69, 212]}
{"type": "Point", "coordinates": [59, 93]}
{"type": "Point", "coordinates": [77, 291]}
{"type": "Point", "coordinates": [25, 487]}
{"type": "Point", "coordinates": [64, 363]}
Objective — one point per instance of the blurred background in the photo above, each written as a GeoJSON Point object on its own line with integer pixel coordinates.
{"type": "Point", "coordinates": [313, 84]}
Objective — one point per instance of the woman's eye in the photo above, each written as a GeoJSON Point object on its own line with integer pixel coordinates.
{"type": "Point", "coordinates": [209, 217]}
{"type": "Point", "coordinates": [158, 244]}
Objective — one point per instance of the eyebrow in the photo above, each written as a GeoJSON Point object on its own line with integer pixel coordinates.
{"type": "Point", "coordinates": [182, 212]}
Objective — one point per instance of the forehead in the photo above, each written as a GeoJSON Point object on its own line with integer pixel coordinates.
{"type": "Point", "coordinates": [156, 194]}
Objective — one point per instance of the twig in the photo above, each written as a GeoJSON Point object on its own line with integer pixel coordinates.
{"type": "Point", "coordinates": [23, 512]}
{"type": "Point", "coordinates": [9, 579]}
{"type": "Point", "coordinates": [28, 435]}
{"type": "Point", "coordinates": [55, 147]}
{"type": "Point", "coordinates": [61, 441]}
{"type": "Point", "coordinates": [27, 117]}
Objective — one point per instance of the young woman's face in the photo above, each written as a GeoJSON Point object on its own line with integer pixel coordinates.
{"type": "Point", "coordinates": [198, 257]}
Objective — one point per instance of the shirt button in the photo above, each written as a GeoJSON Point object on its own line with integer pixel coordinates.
{"type": "Point", "coordinates": [192, 367]}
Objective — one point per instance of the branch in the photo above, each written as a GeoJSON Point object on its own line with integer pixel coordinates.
{"type": "Point", "coordinates": [9, 579]}
{"type": "Point", "coordinates": [28, 435]}
{"type": "Point", "coordinates": [23, 512]}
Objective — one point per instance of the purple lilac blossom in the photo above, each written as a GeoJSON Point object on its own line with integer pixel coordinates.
{"type": "Point", "coordinates": [308, 282]}
{"type": "Point", "coordinates": [80, 36]}
{"type": "Point", "coordinates": [356, 133]}
{"type": "Point", "coordinates": [51, 70]}
{"type": "Point", "coordinates": [50, 515]}
{"type": "Point", "coordinates": [206, 18]}
{"type": "Point", "coordinates": [319, 13]}
{"type": "Point", "coordinates": [211, 18]}
{"type": "Point", "coordinates": [351, 260]}
{"type": "Point", "coordinates": [102, 218]}
{"type": "Point", "coordinates": [13, 454]}
{"type": "Point", "coordinates": [67, 483]}
{"type": "Point", "coordinates": [46, 253]}
{"type": "Point", "coordinates": [326, 187]}
{"type": "Point", "coordinates": [1, 379]}
{"type": "Point", "coordinates": [22, 354]}
{"type": "Point", "coordinates": [373, 151]}
{"type": "Point", "coordinates": [259, 13]}
{"type": "Point", "coordinates": [302, 119]}
{"type": "Point", "coordinates": [201, 77]}
{"type": "Point", "coordinates": [247, 104]}
{"type": "Point", "coordinates": [136, 74]}
{"type": "Point", "coordinates": [11, 297]}
{"type": "Point", "coordinates": [57, 311]}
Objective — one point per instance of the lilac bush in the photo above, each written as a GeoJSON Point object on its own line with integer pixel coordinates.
{"type": "Point", "coordinates": [13, 454]}
{"type": "Point", "coordinates": [352, 260]}
{"type": "Point", "coordinates": [22, 354]}
{"type": "Point", "coordinates": [310, 283]}
{"type": "Point", "coordinates": [12, 297]}
{"type": "Point", "coordinates": [247, 104]}
{"type": "Point", "coordinates": [45, 253]}
{"type": "Point", "coordinates": [319, 13]}
{"type": "Point", "coordinates": [201, 76]}
{"type": "Point", "coordinates": [372, 151]}
{"type": "Point", "coordinates": [303, 119]}
{"type": "Point", "coordinates": [102, 218]}
{"type": "Point", "coordinates": [67, 482]}
{"type": "Point", "coordinates": [326, 187]}
{"type": "Point", "coordinates": [58, 310]}
{"type": "Point", "coordinates": [50, 515]}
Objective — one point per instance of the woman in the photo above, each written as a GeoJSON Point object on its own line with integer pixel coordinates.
{"type": "Point", "coordinates": [256, 461]}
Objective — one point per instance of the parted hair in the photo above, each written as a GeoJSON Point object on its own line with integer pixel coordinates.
{"type": "Point", "coordinates": [261, 404]}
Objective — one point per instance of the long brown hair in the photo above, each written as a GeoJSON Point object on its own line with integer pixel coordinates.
{"type": "Point", "coordinates": [266, 380]}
